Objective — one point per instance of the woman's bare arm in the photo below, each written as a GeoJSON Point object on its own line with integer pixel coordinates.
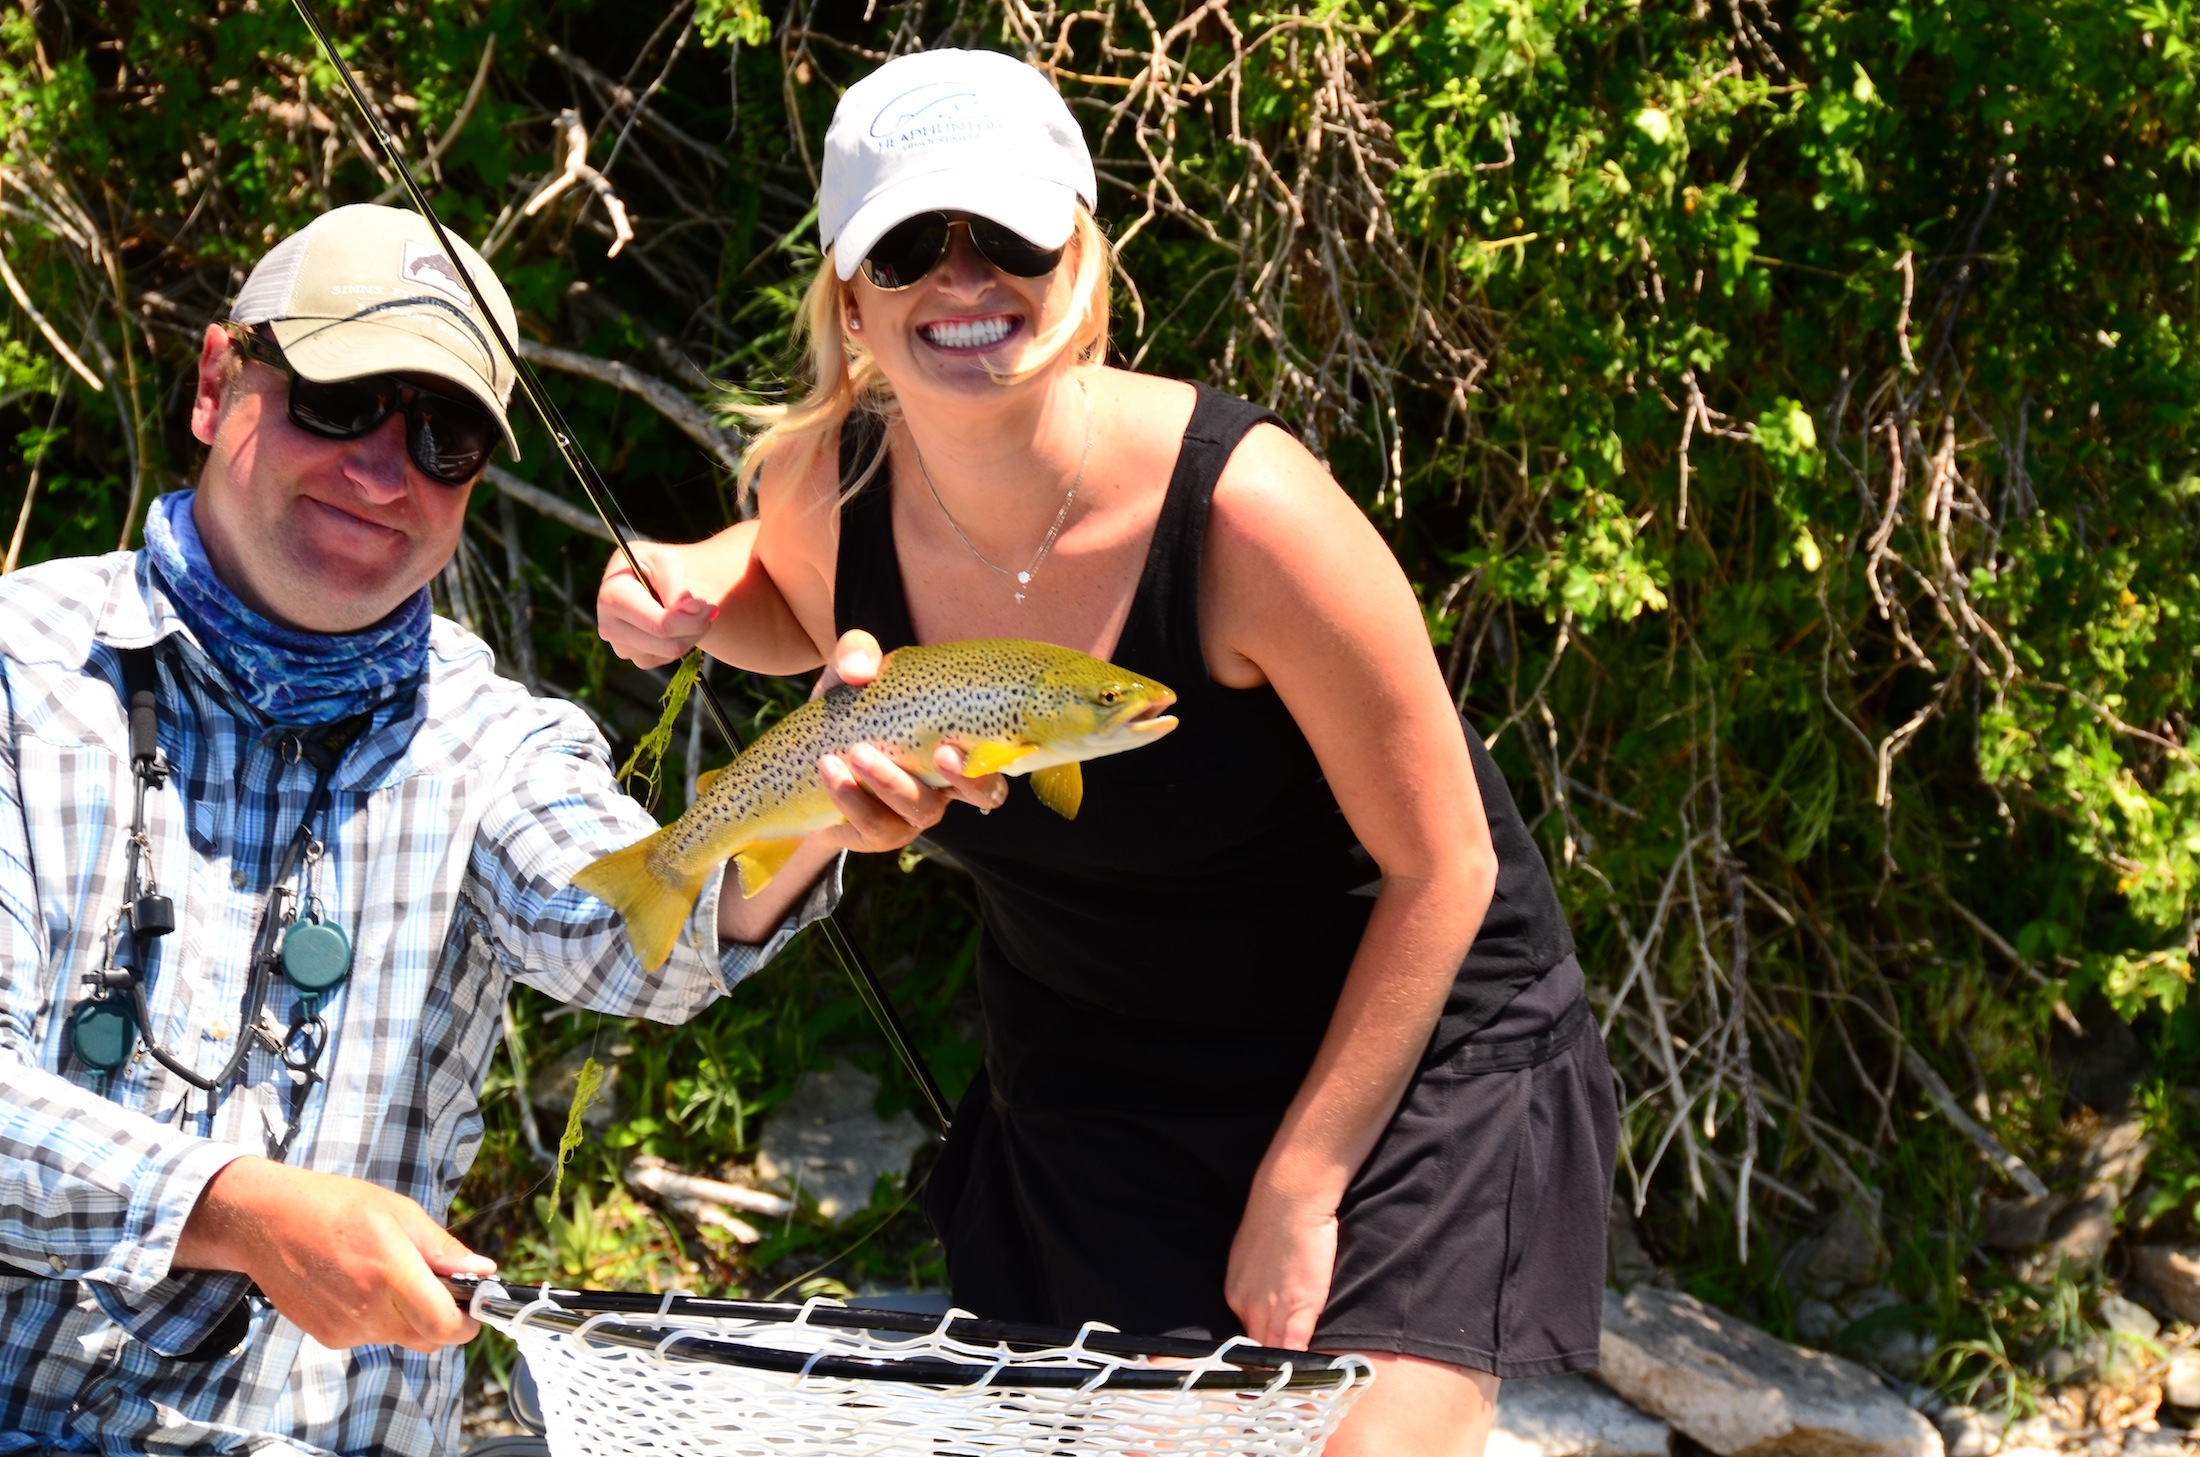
{"type": "Point", "coordinates": [1298, 588]}
{"type": "Point", "coordinates": [757, 595]}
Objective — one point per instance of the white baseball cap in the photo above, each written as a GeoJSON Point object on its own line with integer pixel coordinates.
{"type": "Point", "coordinates": [368, 290]}
{"type": "Point", "coordinates": [951, 131]}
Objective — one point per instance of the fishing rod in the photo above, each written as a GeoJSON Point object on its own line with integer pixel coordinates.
{"type": "Point", "coordinates": [869, 988]}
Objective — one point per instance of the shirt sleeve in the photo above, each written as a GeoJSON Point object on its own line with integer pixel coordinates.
{"type": "Point", "coordinates": [89, 1190]}
{"type": "Point", "coordinates": [559, 809]}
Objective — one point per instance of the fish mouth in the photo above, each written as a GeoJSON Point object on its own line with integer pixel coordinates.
{"type": "Point", "coordinates": [1145, 720]}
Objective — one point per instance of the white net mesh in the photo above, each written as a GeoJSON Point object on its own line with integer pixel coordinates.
{"type": "Point", "coordinates": [617, 1385]}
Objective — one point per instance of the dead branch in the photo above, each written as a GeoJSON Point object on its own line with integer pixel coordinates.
{"type": "Point", "coordinates": [724, 446]}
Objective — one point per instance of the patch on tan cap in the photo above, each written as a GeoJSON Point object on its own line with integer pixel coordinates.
{"type": "Point", "coordinates": [430, 267]}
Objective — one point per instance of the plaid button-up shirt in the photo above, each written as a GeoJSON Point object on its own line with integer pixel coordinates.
{"type": "Point", "coordinates": [456, 823]}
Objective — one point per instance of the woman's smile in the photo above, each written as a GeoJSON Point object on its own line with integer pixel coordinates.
{"type": "Point", "coordinates": [970, 335]}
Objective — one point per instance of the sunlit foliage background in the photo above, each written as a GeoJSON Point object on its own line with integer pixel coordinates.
{"type": "Point", "coordinates": [1783, 410]}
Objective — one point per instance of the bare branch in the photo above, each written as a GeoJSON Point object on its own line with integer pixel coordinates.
{"type": "Point", "coordinates": [723, 445]}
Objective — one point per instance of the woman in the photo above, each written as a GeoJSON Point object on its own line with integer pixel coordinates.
{"type": "Point", "coordinates": [1249, 1060]}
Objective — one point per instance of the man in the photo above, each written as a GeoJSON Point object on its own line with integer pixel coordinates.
{"type": "Point", "coordinates": [253, 1104]}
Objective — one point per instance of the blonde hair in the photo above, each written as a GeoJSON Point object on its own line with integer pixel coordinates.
{"type": "Point", "coordinates": [844, 377]}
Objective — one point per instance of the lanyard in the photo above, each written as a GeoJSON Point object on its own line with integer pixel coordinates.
{"type": "Point", "coordinates": [312, 953]}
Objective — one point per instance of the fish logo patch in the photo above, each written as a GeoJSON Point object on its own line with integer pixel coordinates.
{"type": "Point", "coordinates": [430, 267]}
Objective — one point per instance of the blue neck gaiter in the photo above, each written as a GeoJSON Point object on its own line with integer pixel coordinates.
{"type": "Point", "coordinates": [294, 678]}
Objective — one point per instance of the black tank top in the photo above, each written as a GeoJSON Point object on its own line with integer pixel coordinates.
{"type": "Point", "coordinates": [1180, 945]}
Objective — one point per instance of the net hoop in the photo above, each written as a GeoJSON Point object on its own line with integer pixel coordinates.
{"type": "Point", "coordinates": [624, 1373]}
{"type": "Point", "coordinates": [1095, 1356]}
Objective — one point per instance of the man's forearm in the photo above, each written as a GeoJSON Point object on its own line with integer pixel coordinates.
{"type": "Point", "coordinates": [753, 919]}
{"type": "Point", "coordinates": [92, 1190]}
{"type": "Point", "coordinates": [349, 1262]}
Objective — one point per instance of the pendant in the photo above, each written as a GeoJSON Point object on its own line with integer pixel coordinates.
{"type": "Point", "coordinates": [1019, 599]}
{"type": "Point", "coordinates": [316, 955]}
{"type": "Point", "coordinates": [1023, 579]}
{"type": "Point", "coordinates": [103, 1033]}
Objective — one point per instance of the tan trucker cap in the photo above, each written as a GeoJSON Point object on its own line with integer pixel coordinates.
{"type": "Point", "coordinates": [366, 290]}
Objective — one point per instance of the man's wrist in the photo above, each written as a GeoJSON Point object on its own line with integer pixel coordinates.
{"type": "Point", "coordinates": [218, 1233]}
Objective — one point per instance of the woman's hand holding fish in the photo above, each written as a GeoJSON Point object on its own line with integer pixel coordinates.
{"type": "Point", "coordinates": [886, 805]}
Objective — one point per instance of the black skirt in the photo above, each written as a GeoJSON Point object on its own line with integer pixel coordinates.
{"type": "Point", "coordinates": [1473, 1234]}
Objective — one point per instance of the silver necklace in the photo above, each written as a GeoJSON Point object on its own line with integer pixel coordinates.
{"type": "Point", "coordinates": [1023, 578]}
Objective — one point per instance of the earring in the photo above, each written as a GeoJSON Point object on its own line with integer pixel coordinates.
{"type": "Point", "coordinates": [855, 323]}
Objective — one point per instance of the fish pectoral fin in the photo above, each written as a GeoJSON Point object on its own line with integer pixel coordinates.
{"type": "Point", "coordinates": [653, 902]}
{"type": "Point", "coordinates": [707, 778]}
{"type": "Point", "coordinates": [1061, 789]}
{"type": "Point", "coordinates": [992, 757]}
{"type": "Point", "coordinates": [759, 860]}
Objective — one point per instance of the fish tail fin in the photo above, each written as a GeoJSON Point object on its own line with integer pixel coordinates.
{"type": "Point", "coordinates": [653, 903]}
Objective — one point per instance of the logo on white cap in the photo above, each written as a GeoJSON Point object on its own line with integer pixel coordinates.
{"type": "Point", "coordinates": [430, 267]}
{"type": "Point", "coordinates": [943, 111]}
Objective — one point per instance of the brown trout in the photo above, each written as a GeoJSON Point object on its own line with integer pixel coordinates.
{"type": "Point", "coordinates": [1012, 707]}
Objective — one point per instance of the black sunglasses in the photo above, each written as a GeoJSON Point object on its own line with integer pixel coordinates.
{"type": "Point", "coordinates": [449, 438]}
{"type": "Point", "coordinates": [913, 247]}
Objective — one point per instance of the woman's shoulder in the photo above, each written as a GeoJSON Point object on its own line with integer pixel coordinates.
{"type": "Point", "coordinates": [1281, 531]}
{"type": "Point", "coordinates": [800, 484]}
{"type": "Point", "coordinates": [1153, 405]}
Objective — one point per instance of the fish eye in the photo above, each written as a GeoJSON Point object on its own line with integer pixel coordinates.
{"type": "Point", "coordinates": [1111, 695]}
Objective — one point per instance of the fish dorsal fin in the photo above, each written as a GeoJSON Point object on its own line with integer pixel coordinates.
{"type": "Point", "coordinates": [992, 757]}
{"type": "Point", "coordinates": [759, 860]}
{"type": "Point", "coordinates": [1061, 789]}
{"type": "Point", "coordinates": [707, 778]}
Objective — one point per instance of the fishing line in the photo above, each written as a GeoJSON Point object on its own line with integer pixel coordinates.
{"type": "Point", "coordinates": [870, 990]}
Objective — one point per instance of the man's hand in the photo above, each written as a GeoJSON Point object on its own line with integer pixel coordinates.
{"type": "Point", "coordinates": [886, 805]}
{"type": "Point", "coordinates": [1281, 1265]}
{"type": "Point", "coordinates": [350, 1263]}
{"type": "Point", "coordinates": [645, 632]}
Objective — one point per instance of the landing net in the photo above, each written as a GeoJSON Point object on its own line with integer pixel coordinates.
{"type": "Point", "coordinates": [622, 1375]}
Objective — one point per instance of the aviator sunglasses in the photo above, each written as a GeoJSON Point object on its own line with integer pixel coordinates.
{"type": "Point", "coordinates": [449, 439]}
{"type": "Point", "coordinates": [910, 249]}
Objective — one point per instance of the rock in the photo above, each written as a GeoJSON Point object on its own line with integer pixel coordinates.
{"type": "Point", "coordinates": [2081, 1233]}
{"type": "Point", "coordinates": [1738, 1391]}
{"type": "Point", "coordinates": [2172, 1272]}
{"type": "Point", "coordinates": [2156, 1443]}
{"type": "Point", "coordinates": [1629, 1264]}
{"type": "Point", "coordinates": [1847, 1251]}
{"type": "Point", "coordinates": [1968, 1432]}
{"type": "Point", "coordinates": [2127, 1318]}
{"type": "Point", "coordinates": [826, 1141]}
{"type": "Point", "coordinates": [2130, 1347]}
{"type": "Point", "coordinates": [551, 1090]}
{"type": "Point", "coordinates": [1818, 1322]}
{"type": "Point", "coordinates": [2060, 1364]}
{"type": "Point", "coordinates": [2181, 1384]}
{"type": "Point", "coordinates": [1572, 1416]}
{"type": "Point", "coordinates": [2110, 1161]}
{"type": "Point", "coordinates": [1889, 1343]}
{"type": "Point", "coordinates": [2115, 1156]}
{"type": "Point", "coordinates": [2032, 1434]}
{"type": "Point", "coordinates": [1902, 1352]}
{"type": "Point", "coordinates": [2016, 1224]}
